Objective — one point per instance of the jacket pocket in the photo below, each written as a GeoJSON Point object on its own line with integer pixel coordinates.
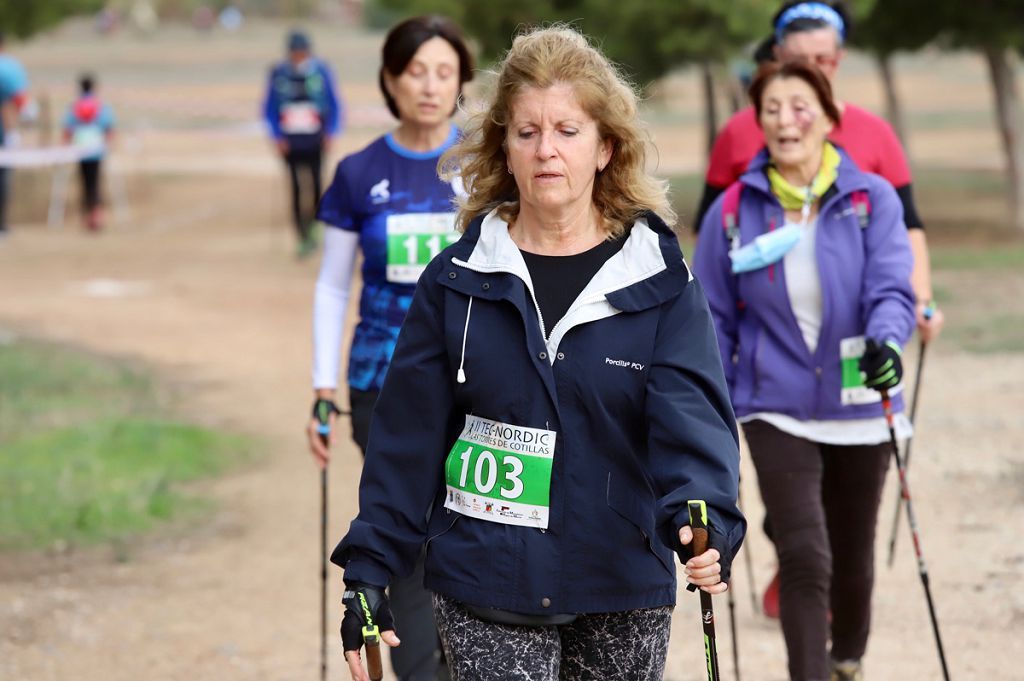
{"type": "Point", "coordinates": [446, 527]}
{"type": "Point", "coordinates": [638, 509]}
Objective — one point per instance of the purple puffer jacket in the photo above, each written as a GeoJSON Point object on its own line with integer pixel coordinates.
{"type": "Point", "coordinates": [865, 282]}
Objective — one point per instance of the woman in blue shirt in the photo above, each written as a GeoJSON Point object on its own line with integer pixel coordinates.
{"type": "Point", "coordinates": [388, 202]}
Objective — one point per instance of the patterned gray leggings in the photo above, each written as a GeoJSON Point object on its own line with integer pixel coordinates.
{"type": "Point", "coordinates": [617, 646]}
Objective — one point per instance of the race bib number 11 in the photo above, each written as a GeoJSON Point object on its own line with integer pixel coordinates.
{"type": "Point", "coordinates": [501, 473]}
{"type": "Point", "coordinates": [414, 239]}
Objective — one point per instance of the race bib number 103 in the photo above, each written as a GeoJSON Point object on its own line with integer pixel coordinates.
{"type": "Point", "coordinates": [501, 473]}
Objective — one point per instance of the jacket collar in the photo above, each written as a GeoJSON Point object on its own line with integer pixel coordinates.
{"type": "Point", "coordinates": [648, 270]}
{"type": "Point", "coordinates": [850, 178]}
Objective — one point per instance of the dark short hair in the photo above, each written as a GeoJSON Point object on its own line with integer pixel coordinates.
{"type": "Point", "coordinates": [86, 82]}
{"type": "Point", "coordinates": [298, 41]}
{"type": "Point", "coordinates": [405, 39]}
{"type": "Point", "coordinates": [765, 50]}
{"type": "Point", "coordinates": [811, 24]}
{"type": "Point", "coordinates": [805, 71]}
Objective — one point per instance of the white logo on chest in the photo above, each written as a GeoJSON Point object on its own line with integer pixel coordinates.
{"type": "Point", "coordinates": [635, 366]}
{"type": "Point", "coordinates": [379, 192]}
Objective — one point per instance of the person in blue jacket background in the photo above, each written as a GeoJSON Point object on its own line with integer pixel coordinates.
{"type": "Point", "coordinates": [555, 398]}
{"type": "Point", "coordinates": [13, 94]}
{"type": "Point", "coordinates": [806, 263]}
{"type": "Point", "coordinates": [89, 125]}
{"type": "Point", "coordinates": [303, 113]}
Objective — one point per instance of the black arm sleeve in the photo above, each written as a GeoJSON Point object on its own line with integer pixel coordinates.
{"type": "Point", "coordinates": [711, 193]}
{"type": "Point", "coordinates": [910, 215]}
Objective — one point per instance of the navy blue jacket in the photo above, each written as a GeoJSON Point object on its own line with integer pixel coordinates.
{"type": "Point", "coordinates": [631, 381]}
{"type": "Point", "coordinates": [311, 83]}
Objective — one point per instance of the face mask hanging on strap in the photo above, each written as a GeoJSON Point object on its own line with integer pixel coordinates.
{"type": "Point", "coordinates": [771, 247]}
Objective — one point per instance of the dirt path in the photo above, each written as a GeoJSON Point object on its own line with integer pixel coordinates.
{"type": "Point", "coordinates": [217, 304]}
{"type": "Point", "coordinates": [214, 300]}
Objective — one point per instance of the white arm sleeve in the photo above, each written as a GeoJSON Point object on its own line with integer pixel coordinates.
{"type": "Point", "coordinates": [330, 304]}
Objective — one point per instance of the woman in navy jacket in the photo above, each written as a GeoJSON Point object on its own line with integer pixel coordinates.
{"type": "Point", "coordinates": [555, 398]}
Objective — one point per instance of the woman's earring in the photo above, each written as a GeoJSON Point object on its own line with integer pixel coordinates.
{"type": "Point", "coordinates": [509, 170]}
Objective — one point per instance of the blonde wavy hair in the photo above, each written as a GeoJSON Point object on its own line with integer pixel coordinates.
{"type": "Point", "coordinates": [540, 59]}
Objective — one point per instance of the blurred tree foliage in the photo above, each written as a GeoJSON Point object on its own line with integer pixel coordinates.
{"type": "Point", "coordinates": [22, 18]}
{"type": "Point", "coordinates": [994, 28]}
{"type": "Point", "coordinates": [647, 38]}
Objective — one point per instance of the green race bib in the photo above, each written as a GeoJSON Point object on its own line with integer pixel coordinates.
{"type": "Point", "coordinates": [854, 391]}
{"type": "Point", "coordinates": [414, 239]}
{"type": "Point", "coordinates": [501, 473]}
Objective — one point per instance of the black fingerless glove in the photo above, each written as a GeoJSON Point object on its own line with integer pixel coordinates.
{"type": "Point", "coordinates": [367, 613]}
{"type": "Point", "coordinates": [881, 365]}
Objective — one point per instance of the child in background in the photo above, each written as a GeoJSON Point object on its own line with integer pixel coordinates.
{"type": "Point", "coordinates": [89, 125]}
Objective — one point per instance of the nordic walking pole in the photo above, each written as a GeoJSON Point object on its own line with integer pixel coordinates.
{"type": "Point", "coordinates": [323, 574]}
{"type": "Point", "coordinates": [323, 416]}
{"type": "Point", "coordinates": [748, 557]}
{"type": "Point", "coordinates": [928, 312]}
{"type": "Point", "coordinates": [699, 526]}
{"type": "Point", "coordinates": [322, 410]}
{"type": "Point", "coordinates": [735, 639]}
{"type": "Point", "coordinates": [921, 568]}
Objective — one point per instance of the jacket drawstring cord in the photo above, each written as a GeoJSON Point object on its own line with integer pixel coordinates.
{"type": "Point", "coordinates": [461, 377]}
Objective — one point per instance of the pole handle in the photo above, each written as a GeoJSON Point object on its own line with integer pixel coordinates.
{"type": "Point", "coordinates": [699, 525]}
{"type": "Point", "coordinates": [373, 664]}
{"type": "Point", "coordinates": [322, 413]}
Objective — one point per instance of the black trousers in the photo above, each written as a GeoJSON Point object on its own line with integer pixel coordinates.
{"type": "Point", "coordinates": [90, 173]}
{"type": "Point", "coordinates": [822, 501]}
{"type": "Point", "coordinates": [419, 656]}
{"type": "Point", "coordinates": [305, 171]}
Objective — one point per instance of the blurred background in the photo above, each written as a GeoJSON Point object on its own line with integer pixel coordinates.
{"type": "Point", "coordinates": [181, 330]}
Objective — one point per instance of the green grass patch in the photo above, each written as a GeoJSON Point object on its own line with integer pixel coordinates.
{"type": "Point", "coordinates": [1003, 333]}
{"type": "Point", "coordinates": [88, 453]}
{"type": "Point", "coordinates": [978, 258]}
{"type": "Point", "coordinates": [43, 385]}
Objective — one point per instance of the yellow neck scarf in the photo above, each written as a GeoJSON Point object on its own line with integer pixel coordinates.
{"type": "Point", "coordinates": [794, 198]}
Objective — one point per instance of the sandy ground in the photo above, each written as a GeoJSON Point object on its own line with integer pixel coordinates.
{"type": "Point", "coordinates": [214, 300]}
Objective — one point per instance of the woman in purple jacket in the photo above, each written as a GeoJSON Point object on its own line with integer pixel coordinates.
{"type": "Point", "coordinates": [806, 264]}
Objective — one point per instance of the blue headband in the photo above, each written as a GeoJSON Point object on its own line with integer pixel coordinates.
{"type": "Point", "coordinates": [810, 10]}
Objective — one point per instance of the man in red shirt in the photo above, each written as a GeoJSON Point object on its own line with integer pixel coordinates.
{"type": "Point", "coordinates": [816, 32]}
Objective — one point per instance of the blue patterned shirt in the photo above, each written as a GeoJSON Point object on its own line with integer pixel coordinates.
{"type": "Point", "coordinates": [404, 214]}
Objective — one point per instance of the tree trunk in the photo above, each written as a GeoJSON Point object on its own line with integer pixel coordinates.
{"type": "Point", "coordinates": [893, 106]}
{"type": "Point", "coordinates": [1007, 101]}
{"type": "Point", "coordinates": [710, 108]}
{"type": "Point", "coordinates": [45, 120]}
{"type": "Point", "coordinates": [730, 82]}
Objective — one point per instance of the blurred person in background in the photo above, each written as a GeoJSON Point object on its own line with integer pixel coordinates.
{"type": "Point", "coordinates": [388, 202]}
{"type": "Point", "coordinates": [806, 290]}
{"type": "Point", "coordinates": [89, 125]}
{"type": "Point", "coordinates": [303, 114]}
{"type": "Point", "coordinates": [817, 32]}
{"type": "Point", "coordinates": [13, 95]}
